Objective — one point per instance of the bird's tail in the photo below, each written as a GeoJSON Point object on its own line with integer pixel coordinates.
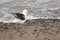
{"type": "Point", "coordinates": [14, 15]}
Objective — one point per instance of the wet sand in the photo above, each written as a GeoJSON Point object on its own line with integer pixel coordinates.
{"type": "Point", "coordinates": [39, 29]}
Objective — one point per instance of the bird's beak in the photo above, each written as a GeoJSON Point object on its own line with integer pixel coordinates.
{"type": "Point", "coordinates": [29, 11]}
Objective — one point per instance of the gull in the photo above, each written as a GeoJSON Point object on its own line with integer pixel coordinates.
{"type": "Point", "coordinates": [21, 17]}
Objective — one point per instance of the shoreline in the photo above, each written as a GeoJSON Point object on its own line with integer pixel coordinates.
{"type": "Point", "coordinates": [31, 30]}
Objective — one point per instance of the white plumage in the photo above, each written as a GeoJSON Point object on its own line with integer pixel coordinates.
{"type": "Point", "coordinates": [19, 20]}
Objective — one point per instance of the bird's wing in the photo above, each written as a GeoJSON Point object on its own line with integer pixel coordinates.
{"type": "Point", "coordinates": [19, 16]}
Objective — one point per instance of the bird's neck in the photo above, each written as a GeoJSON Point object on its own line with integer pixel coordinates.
{"type": "Point", "coordinates": [25, 13]}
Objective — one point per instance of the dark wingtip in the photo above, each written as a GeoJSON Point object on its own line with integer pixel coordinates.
{"type": "Point", "coordinates": [12, 13]}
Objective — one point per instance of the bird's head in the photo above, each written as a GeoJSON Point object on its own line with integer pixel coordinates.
{"type": "Point", "coordinates": [25, 12]}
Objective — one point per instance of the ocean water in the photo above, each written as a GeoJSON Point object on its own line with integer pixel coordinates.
{"type": "Point", "coordinates": [41, 9]}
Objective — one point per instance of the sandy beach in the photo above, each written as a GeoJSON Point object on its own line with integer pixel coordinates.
{"type": "Point", "coordinates": [45, 26]}
{"type": "Point", "coordinates": [39, 29]}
